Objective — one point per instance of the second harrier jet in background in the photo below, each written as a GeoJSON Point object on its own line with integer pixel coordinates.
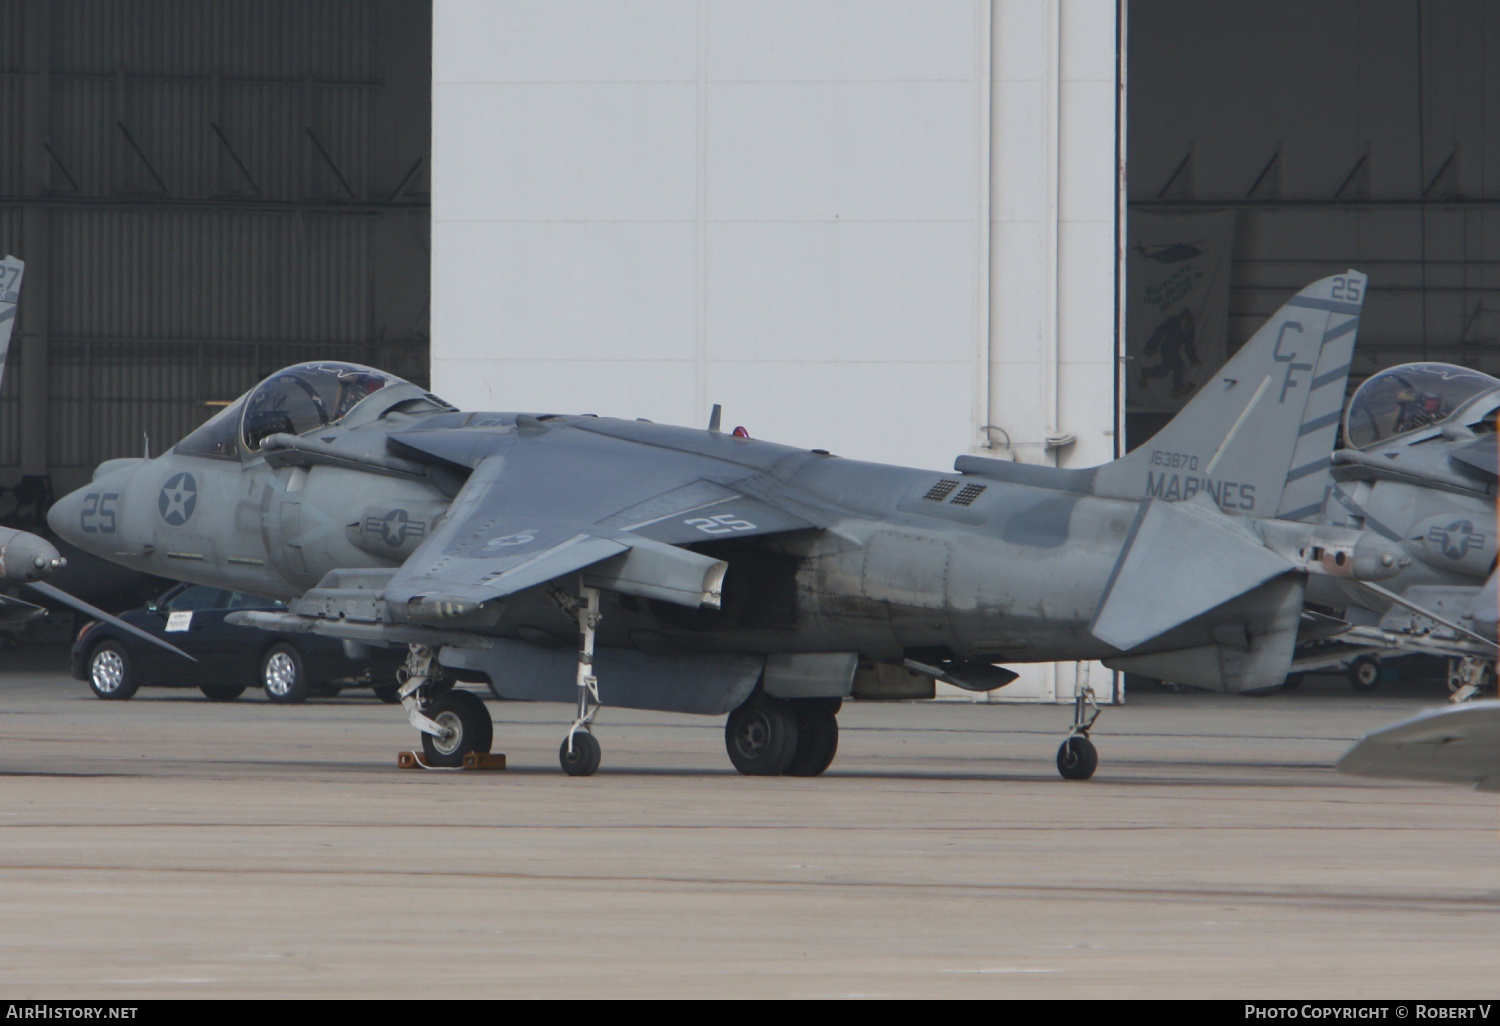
{"type": "Point", "coordinates": [635, 564]}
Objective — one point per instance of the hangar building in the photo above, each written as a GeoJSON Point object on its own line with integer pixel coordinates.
{"type": "Point", "coordinates": [897, 229]}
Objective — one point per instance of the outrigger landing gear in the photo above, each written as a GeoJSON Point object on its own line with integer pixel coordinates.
{"type": "Point", "coordinates": [1077, 758]}
{"type": "Point", "coordinates": [1469, 676]}
{"type": "Point", "coordinates": [579, 754]}
{"type": "Point", "coordinates": [453, 723]}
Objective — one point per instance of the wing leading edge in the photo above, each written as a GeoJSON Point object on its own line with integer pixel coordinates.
{"type": "Point", "coordinates": [537, 512]}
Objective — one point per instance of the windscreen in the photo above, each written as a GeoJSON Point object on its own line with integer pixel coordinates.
{"type": "Point", "coordinates": [217, 439]}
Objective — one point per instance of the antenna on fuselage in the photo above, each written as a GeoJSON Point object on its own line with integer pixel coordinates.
{"type": "Point", "coordinates": [715, 417]}
{"type": "Point", "coordinates": [146, 438]}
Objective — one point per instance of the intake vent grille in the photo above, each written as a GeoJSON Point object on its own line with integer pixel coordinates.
{"type": "Point", "coordinates": [941, 490]}
{"type": "Point", "coordinates": [967, 495]}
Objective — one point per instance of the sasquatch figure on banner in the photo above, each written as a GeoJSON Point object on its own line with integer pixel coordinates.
{"type": "Point", "coordinates": [1178, 289]}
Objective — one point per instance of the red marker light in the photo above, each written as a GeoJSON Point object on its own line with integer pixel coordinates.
{"type": "Point", "coordinates": [740, 432]}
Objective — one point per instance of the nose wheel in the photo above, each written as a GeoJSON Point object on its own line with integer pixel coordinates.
{"type": "Point", "coordinates": [1076, 757]}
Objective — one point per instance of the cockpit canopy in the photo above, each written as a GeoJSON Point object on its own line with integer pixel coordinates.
{"type": "Point", "coordinates": [292, 401]}
{"type": "Point", "coordinates": [1408, 397]}
{"type": "Point", "coordinates": [306, 397]}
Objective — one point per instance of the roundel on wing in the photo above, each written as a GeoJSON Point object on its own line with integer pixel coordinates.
{"type": "Point", "coordinates": [177, 499]}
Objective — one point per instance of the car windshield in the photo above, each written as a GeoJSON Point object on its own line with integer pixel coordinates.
{"type": "Point", "coordinates": [1412, 396]}
{"type": "Point", "coordinates": [239, 600]}
{"type": "Point", "coordinates": [195, 596]}
{"type": "Point", "coordinates": [307, 397]}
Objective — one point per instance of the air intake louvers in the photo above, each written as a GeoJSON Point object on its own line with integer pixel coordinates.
{"type": "Point", "coordinates": [944, 488]}
{"type": "Point", "coordinates": [940, 491]}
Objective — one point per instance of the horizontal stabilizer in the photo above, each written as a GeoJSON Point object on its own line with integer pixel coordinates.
{"type": "Point", "coordinates": [1456, 745]}
{"type": "Point", "coordinates": [1179, 561]}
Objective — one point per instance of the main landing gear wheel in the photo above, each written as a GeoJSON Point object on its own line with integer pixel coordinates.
{"type": "Point", "coordinates": [583, 760]}
{"type": "Point", "coordinates": [221, 692]}
{"type": "Point", "coordinates": [110, 675]}
{"type": "Point", "coordinates": [1364, 673]}
{"type": "Point", "coordinates": [1077, 758]}
{"type": "Point", "coordinates": [817, 736]}
{"type": "Point", "coordinates": [761, 737]}
{"type": "Point", "coordinates": [466, 728]}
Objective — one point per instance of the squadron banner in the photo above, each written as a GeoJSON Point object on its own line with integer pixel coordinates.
{"type": "Point", "coordinates": [1177, 291]}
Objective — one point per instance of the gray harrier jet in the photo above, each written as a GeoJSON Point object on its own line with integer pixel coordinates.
{"type": "Point", "coordinates": [619, 562]}
{"type": "Point", "coordinates": [1420, 470]}
{"type": "Point", "coordinates": [26, 559]}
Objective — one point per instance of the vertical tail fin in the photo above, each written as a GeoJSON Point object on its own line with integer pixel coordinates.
{"type": "Point", "coordinates": [11, 270]}
{"type": "Point", "coordinates": [1259, 435]}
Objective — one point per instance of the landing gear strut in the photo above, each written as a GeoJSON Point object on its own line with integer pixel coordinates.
{"type": "Point", "coordinates": [1077, 758]}
{"type": "Point", "coordinates": [453, 723]}
{"type": "Point", "coordinates": [1468, 676]}
{"type": "Point", "coordinates": [579, 754]}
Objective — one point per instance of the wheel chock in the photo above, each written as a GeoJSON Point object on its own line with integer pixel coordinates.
{"type": "Point", "coordinates": [472, 761]}
{"type": "Point", "coordinates": [484, 761]}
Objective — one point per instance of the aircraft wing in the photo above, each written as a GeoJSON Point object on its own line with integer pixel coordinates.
{"type": "Point", "coordinates": [1456, 745]}
{"type": "Point", "coordinates": [550, 507]}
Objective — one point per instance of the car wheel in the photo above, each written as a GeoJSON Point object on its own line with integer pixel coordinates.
{"type": "Point", "coordinates": [221, 692]}
{"type": "Point", "coordinates": [110, 675]}
{"type": "Point", "coordinates": [283, 674]}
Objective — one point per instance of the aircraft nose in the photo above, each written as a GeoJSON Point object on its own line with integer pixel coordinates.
{"type": "Point", "coordinates": [25, 557]}
{"type": "Point", "coordinates": [65, 518]}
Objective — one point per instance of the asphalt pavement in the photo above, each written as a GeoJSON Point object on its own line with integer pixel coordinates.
{"type": "Point", "coordinates": [169, 846]}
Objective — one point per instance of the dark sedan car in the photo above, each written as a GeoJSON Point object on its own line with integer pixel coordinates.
{"type": "Point", "coordinates": [230, 658]}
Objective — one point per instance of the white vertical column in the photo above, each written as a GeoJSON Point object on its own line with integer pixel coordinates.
{"type": "Point", "coordinates": [1054, 209]}
{"type": "Point", "coordinates": [984, 127]}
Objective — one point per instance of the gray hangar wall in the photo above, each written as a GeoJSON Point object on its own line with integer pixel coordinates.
{"type": "Point", "coordinates": [1340, 133]}
{"type": "Point", "coordinates": [204, 191]}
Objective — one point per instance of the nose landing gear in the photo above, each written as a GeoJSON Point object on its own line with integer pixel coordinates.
{"type": "Point", "coordinates": [1077, 758]}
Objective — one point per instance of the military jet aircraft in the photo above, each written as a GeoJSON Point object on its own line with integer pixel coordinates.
{"type": "Point", "coordinates": [25, 558]}
{"type": "Point", "coordinates": [701, 571]}
{"type": "Point", "coordinates": [1451, 745]}
{"type": "Point", "coordinates": [1420, 470]}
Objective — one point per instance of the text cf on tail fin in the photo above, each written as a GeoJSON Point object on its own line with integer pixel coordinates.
{"type": "Point", "coordinates": [11, 271]}
{"type": "Point", "coordinates": [1259, 435]}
